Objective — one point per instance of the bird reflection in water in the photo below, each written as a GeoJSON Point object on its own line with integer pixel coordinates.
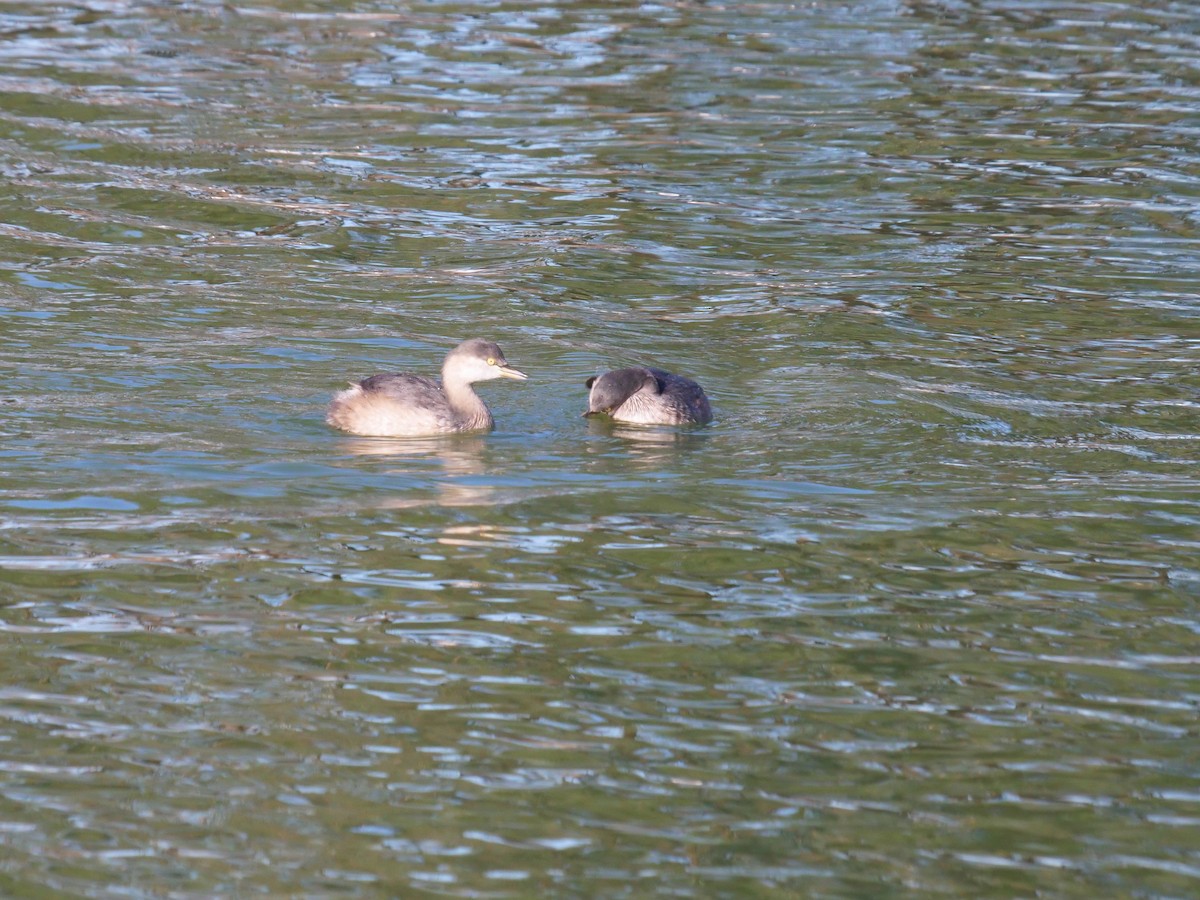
{"type": "Point", "coordinates": [452, 463]}
{"type": "Point", "coordinates": [650, 444]}
{"type": "Point", "coordinates": [446, 460]}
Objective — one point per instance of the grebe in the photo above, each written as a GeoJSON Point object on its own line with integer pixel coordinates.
{"type": "Point", "coordinates": [405, 405]}
{"type": "Point", "coordinates": [645, 396]}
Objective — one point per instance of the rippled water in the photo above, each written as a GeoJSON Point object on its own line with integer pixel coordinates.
{"type": "Point", "coordinates": [916, 615]}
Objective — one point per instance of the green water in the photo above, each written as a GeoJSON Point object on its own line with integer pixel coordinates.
{"type": "Point", "coordinates": [916, 616]}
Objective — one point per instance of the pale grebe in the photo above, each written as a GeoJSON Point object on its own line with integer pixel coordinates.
{"type": "Point", "coordinates": [405, 405]}
{"type": "Point", "coordinates": [645, 396]}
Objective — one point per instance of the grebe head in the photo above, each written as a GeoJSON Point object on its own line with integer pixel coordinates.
{"type": "Point", "coordinates": [611, 389]}
{"type": "Point", "coordinates": [478, 360]}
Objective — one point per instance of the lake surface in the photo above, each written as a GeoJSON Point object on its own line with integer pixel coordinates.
{"type": "Point", "coordinates": [917, 615]}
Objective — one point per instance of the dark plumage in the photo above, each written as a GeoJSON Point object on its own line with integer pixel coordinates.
{"type": "Point", "coordinates": [645, 396]}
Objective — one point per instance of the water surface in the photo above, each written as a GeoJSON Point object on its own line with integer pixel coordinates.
{"type": "Point", "coordinates": [916, 616]}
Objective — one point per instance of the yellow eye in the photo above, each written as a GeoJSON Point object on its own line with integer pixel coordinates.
{"type": "Point", "coordinates": [491, 361]}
